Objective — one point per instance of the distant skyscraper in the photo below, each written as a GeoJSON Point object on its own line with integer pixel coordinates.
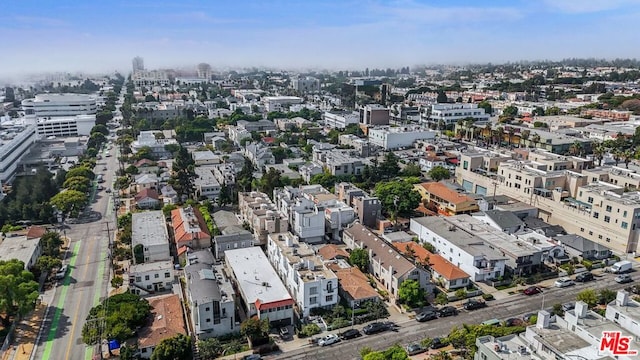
{"type": "Point", "coordinates": [138, 64]}
{"type": "Point", "coordinates": [204, 71]}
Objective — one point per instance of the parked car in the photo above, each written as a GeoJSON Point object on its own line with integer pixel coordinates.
{"type": "Point", "coordinates": [473, 304]}
{"type": "Point", "coordinates": [621, 267]}
{"type": "Point", "coordinates": [532, 290]}
{"type": "Point", "coordinates": [568, 306]}
{"type": "Point", "coordinates": [447, 311]}
{"type": "Point", "coordinates": [329, 340]}
{"type": "Point", "coordinates": [635, 289]}
{"type": "Point", "coordinates": [415, 349]}
{"type": "Point", "coordinates": [61, 273]}
{"type": "Point", "coordinates": [437, 343]}
{"type": "Point", "coordinates": [623, 279]}
{"type": "Point", "coordinates": [513, 322]}
{"type": "Point", "coordinates": [252, 357]}
{"type": "Point", "coordinates": [284, 333]}
{"type": "Point", "coordinates": [564, 282]}
{"type": "Point", "coordinates": [492, 322]}
{"type": "Point", "coordinates": [374, 328]}
{"type": "Point", "coordinates": [426, 316]}
{"type": "Point", "coordinates": [584, 277]}
{"type": "Point", "coordinates": [350, 334]}
{"type": "Point", "coordinates": [108, 191]}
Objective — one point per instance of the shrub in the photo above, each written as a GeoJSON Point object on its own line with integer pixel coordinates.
{"type": "Point", "coordinates": [487, 297]}
{"type": "Point", "coordinates": [461, 294]}
{"type": "Point", "coordinates": [310, 330]}
{"type": "Point", "coordinates": [441, 299]}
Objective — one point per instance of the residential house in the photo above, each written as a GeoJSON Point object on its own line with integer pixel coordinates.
{"type": "Point", "coordinates": [388, 266]}
{"type": "Point", "coordinates": [145, 181]}
{"type": "Point", "coordinates": [576, 245]}
{"type": "Point", "coordinates": [169, 195]}
{"type": "Point", "coordinates": [625, 311]}
{"type": "Point", "coordinates": [368, 209]}
{"type": "Point", "coordinates": [151, 277]}
{"type": "Point", "coordinates": [157, 144]}
{"type": "Point", "coordinates": [149, 231]}
{"type": "Point", "coordinates": [190, 228]}
{"type": "Point", "coordinates": [206, 184]}
{"type": "Point", "coordinates": [257, 210]}
{"type": "Point", "coordinates": [333, 252]}
{"type": "Point", "coordinates": [428, 162]}
{"type": "Point", "coordinates": [504, 221]}
{"type": "Point", "coordinates": [309, 170]}
{"type": "Point", "coordinates": [146, 166]}
{"type": "Point", "coordinates": [309, 282]}
{"type": "Point", "coordinates": [147, 199]}
{"type": "Point", "coordinates": [444, 200]}
{"type": "Point", "coordinates": [259, 154]}
{"type": "Point", "coordinates": [22, 247]}
{"type": "Point", "coordinates": [205, 157]}
{"type": "Point", "coordinates": [443, 272]}
{"type": "Point", "coordinates": [354, 287]}
{"type": "Point", "coordinates": [167, 321]}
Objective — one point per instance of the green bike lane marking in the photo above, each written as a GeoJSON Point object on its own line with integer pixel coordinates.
{"type": "Point", "coordinates": [88, 352]}
{"type": "Point", "coordinates": [63, 295]}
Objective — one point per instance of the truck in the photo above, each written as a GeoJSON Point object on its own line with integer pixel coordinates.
{"type": "Point", "coordinates": [621, 267]}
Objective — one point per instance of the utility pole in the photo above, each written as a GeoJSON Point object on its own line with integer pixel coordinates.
{"type": "Point", "coordinates": [110, 254]}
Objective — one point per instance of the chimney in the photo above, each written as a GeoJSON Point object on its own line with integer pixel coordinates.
{"type": "Point", "coordinates": [622, 298]}
{"type": "Point", "coordinates": [581, 309]}
{"type": "Point", "coordinates": [543, 319]}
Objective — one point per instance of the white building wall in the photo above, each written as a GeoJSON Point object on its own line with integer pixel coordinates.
{"type": "Point", "coordinates": [14, 150]}
{"type": "Point", "coordinates": [146, 279]}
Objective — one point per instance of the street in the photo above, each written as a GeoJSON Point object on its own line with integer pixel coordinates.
{"type": "Point", "coordinates": [86, 282]}
{"type": "Point", "coordinates": [412, 331]}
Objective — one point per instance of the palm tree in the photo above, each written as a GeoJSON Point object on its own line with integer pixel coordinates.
{"type": "Point", "coordinates": [468, 124]}
{"type": "Point", "coordinates": [500, 134]}
{"type": "Point", "coordinates": [627, 156]}
{"type": "Point", "coordinates": [511, 132]}
{"type": "Point", "coordinates": [487, 131]}
{"type": "Point", "coordinates": [617, 155]}
{"type": "Point", "coordinates": [576, 148]}
{"type": "Point", "coordinates": [598, 152]}
{"type": "Point", "coordinates": [536, 139]}
{"type": "Point", "coordinates": [524, 136]}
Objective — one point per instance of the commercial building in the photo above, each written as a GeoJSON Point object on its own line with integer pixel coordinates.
{"type": "Point", "coordinates": [280, 103]}
{"type": "Point", "coordinates": [263, 293]}
{"type": "Point", "coordinates": [45, 106]}
{"type": "Point", "coordinates": [305, 84]}
{"type": "Point", "coordinates": [304, 274]}
{"type": "Point", "coordinates": [79, 125]}
{"type": "Point", "coordinates": [374, 114]}
{"type": "Point", "coordinates": [340, 119]}
{"type": "Point", "coordinates": [391, 138]}
{"type": "Point", "coordinates": [451, 113]}
{"type": "Point", "coordinates": [210, 296]}
{"type": "Point", "coordinates": [257, 210]}
{"type": "Point", "coordinates": [15, 144]}
{"type": "Point", "coordinates": [149, 230]}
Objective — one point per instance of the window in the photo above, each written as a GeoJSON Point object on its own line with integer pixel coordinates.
{"type": "Point", "coordinates": [167, 275]}
{"type": "Point", "coordinates": [156, 276]}
{"type": "Point", "coordinates": [313, 300]}
{"type": "Point", "coordinates": [590, 200]}
{"type": "Point", "coordinates": [329, 298]}
{"type": "Point", "coordinates": [608, 208]}
{"type": "Point", "coordinates": [207, 309]}
{"type": "Point", "coordinates": [313, 290]}
{"type": "Point", "coordinates": [607, 219]}
{"type": "Point", "coordinates": [581, 229]}
{"type": "Point", "coordinates": [590, 232]}
{"type": "Point", "coordinates": [146, 277]}
{"type": "Point", "coordinates": [600, 237]}
{"type": "Point", "coordinates": [617, 316]}
{"type": "Point", "coordinates": [596, 215]}
{"type": "Point", "coordinates": [138, 278]}
{"type": "Point", "coordinates": [608, 239]}
{"type": "Point", "coordinates": [624, 213]}
{"type": "Point", "coordinates": [208, 320]}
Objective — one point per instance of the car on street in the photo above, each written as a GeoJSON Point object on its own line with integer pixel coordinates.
{"type": "Point", "coordinates": [329, 340]}
{"type": "Point", "coordinates": [447, 311]}
{"type": "Point", "coordinates": [584, 277]}
{"type": "Point", "coordinates": [473, 304]}
{"type": "Point", "coordinates": [514, 322]}
{"type": "Point", "coordinates": [426, 316]}
{"type": "Point", "coordinates": [375, 327]}
{"type": "Point", "coordinates": [623, 279]}
{"type": "Point", "coordinates": [532, 290]}
{"type": "Point", "coordinates": [108, 191]}
{"type": "Point", "coordinates": [104, 168]}
{"type": "Point", "coordinates": [564, 282]}
{"type": "Point", "coordinates": [568, 306]}
{"type": "Point", "coordinates": [415, 349]}
{"type": "Point", "coordinates": [61, 273]}
{"type": "Point", "coordinates": [350, 334]}
{"type": "Point", "coordinates": [437, 343]}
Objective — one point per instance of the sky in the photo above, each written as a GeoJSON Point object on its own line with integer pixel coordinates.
{"type": "Point", "coordinates": [97, 36]}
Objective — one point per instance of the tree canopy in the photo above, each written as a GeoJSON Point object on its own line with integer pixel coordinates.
{"type": "Point", "coordinates": [70, 201]}
{"type": "Point", "coordinates": [438, 173]}
{"type": "Point", "coordinates": [409, 292]}
{"type": "Point", "coordinates": [184, 174]}
{"type": "Point", "coordinates": [18, 290]}
{"type": "Point", "coordinates": [397, 197]}
{"type": "Point", "coordinates": [173, 348]}
{"type": "Point", "coordinates": [122, 314]}
{"type": "Point", "coordinates": [254, 328]}
{"type": "Point", "coordinates": [360, 258]}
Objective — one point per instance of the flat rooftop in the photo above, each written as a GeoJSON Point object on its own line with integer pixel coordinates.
{"type": "Point", "coordinates": [18, 247]}
{"type": "Point", "coordinates": [149, 228]}
{"type": "Point", "coordinates": [311, 266]}
{"type": "Point", "coordinates": [151, 266]}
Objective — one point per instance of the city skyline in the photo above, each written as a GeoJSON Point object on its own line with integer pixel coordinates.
{"type": "Point", "coordinates": [63, 36]}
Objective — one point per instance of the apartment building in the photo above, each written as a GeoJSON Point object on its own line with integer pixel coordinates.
{"type": "Point", "coordinates": [373, 114]}
{"type": "Point", "coordinates": [459, 246]}
{"type": "Point", "coordinates": [280, 103]}
{"type": "Point", "coordinates": [443, 272]}
{"type": "Point", "coordinates": [626, 178]}
{"type": "Point", "coordinates": [599, 211]}
{"type": "Point", "coordinates": [368, 209]}
{"type": "Point", "coordinates": [190, 228]}
{"type": "Point", "coordinates": [259, 154]}
{"type": "Point", "coordinates": [309, 170]}
{"type": "Point", "coordinates": [391, 138]}
{"type": "Point", "coordinates": [304, 274]}
{"type": "Point", "coordinates": [15, 144]}
{"type": "Point", "coordinates": [444, 200]}
{"type": "Point", "coordinates": [257, 210]}
{"type": "Point", "coordinates": [225, 174]}
{"type": "Point", "coordinates": [340, 119]}
{"type": "Point", "coordinates": [385, 262]}
{"type": "Point", "coordinates": [451, 113]}
{"type": "Point", "coordinates": [206, 183]}
{"type": "Point", "coordinates": [340, 162]}
{"type": "Point", "coordinates": [149, 231]}
{"type": "Point", "coordinates": [263, 293]}
{"type": "Point", "coordinates": [151, 277]}
{"type": "Point", "coordinates": [361, 146]}
{"type": "Point", "coordinates": [210, 296]}
{"type": "Point", "coordinates": [306, 219]}
{"type": "Point", "coordinates": [148, 139]}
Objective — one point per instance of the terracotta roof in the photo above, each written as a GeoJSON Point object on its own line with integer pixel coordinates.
{"type": "Point", "coordinates": [355, 283]}
{"type": "Point", "coordinates": [272, 305]}
{"type": "Point", "coordinates": [147, 193]}
{"type": "Point", "coordinates": [442, 191]}
{"type": "Point", "coordinates": [436, 262]}
{"type": "Point", "coordinates": [331, 251]}
{"type": "Point", "coordinates": [36, 232]}
{"type": "Point", "coordinates": [192, 228]}
{"type": "Point", "coordinates": [144, 162]}
{"type": "Point", "coordinates": [183, 249]}
{"type": "Point", "coordinates": [167, 321]}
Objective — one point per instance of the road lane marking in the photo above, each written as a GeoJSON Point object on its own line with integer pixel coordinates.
{"type": "Point", "coordinates": [74, 323]}
{"type": "Point", "coordinates": [63, 295]}
{"type": "Point", "coordinates": [88, 353]}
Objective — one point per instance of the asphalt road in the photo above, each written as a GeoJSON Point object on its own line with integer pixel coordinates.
{"type": "Point", "coordinates": [86, 282]}
{"type": "Point", "coordinates": [412, 331]}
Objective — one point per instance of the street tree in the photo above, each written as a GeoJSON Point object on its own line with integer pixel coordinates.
{"type": "Point", "coordinates": [69, 201]}
{"type": "Point", "coordinates": [184, 174]}
{"type": "Point", "coordinates": [122, 314]}
{"type": "Point", "coordinates": [409, 292]}
{"type": "Point", "coordinates": [411, 170]}
{"type": "Point", "coordinates": [438, 173]}
{"type": "Point", "coordinates": [18, 290]}
{"type": "Point", "coordinates": [255, 328]}
{"type": "Point", "coordinates": [589, 296]}
{"type": "Point", "coordinates": [360, 258]}
{"type": "Point", "coordinates": [389, 167]}
{"type": "Point", "coordinates": [80, 171]}
{"type": "Point", "coordinates": [51, 242]}
{"type": "Point", "coordinates": [397, 197]}
{"type": "Point", "coordinates": [47, 263]}
{"type": "Point", "coordinates": [79, 183]}
{"type": "Point", "coordinates": [173, 348]}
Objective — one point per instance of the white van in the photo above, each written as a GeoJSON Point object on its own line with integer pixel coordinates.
{"type": "Point", "coordinates": [621, 267]}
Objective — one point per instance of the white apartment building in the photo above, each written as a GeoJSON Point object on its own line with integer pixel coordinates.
{"type": "Point", "coordinates": [206, 183]}
{"type": "Point", "coordinates": [79, 125]}
{"type": "Point", "coordinates": [258, 284]}
{"type": "Point", "coordinates": [261, 214]}
{"type": "Point", "coordinates": [15, 144]}
{"type": "Point", "coordinates": [306, 84]}
{"type": "Point", "coordinates": [309, 282]}
{"type": "Point", "coordinates": [340, 119]}
{"type": "Point", "coordinates": [150, 78]}
{"type": "Point", "coordinates": [59, 105]}
{"type": "Point", "coordinates": [151, 277]}
{"type": "Point", "coordinates": [157, 145]}
{"type": "Point", "coordinates": [280, 103]}
{"type": "Point", "coordinates": [149, 230]}
{"type": "Point", "coordinates": [340, 162]}
{"type": "Point", "coordinates": [451, 113]}
{"type": "Point", "coordinates": [460, 246]}
{"type": "Point", "coordinates": [390, 138]}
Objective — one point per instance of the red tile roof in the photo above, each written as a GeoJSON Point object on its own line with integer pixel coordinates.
{"type": "Point", "coordinates": [144, 162]}
{"type": "Point", "coordinates": [444, 192]}
{"type": "Point", "coordinates": [36, 232]}
{"type": "Point", "coordinates": [436, 262]}
{"type": "Point", "coordinates": [183, 227]}
{"type": "Point", "coordinates": [331, 251]}
{"type": "Point", "coordinates": [355, 283]}
{"type": "Point", "coordinates": [147, 193]}
{"type": "Point", "coordinates": [272, 305]}
{"type": "Point", "coordinates": [168, 321]}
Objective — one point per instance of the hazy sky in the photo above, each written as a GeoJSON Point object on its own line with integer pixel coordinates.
{"type": "Point", "coordinates": [92, 35]}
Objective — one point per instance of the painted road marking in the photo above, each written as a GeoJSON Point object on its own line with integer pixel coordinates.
{"type": "Point", "coordinates": [63, 295]}
{"type": "Point", "coordinates": [88, 353]}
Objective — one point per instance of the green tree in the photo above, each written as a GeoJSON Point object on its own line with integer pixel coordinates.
{"type": "Point", "coordinates": [325, 179]}
{"type": "Point", "coordinates": [173, 348]}
{"type": "Point", "coordinates": [397, 197]}
{"type": "Point", "coordinates": [360, 258]}
{"type": "Point", "coordinates": [606, 296]}
{"type": "Point", "coordinates": [510, 111]}
{"type": "Point", "coordinates": [270, 181]}
{"type": "Point", "coordinates": [488, 109]}
{"type": "Point", "coordinates": [442, 97]}
{"type": "Point", "coordinates": [411, 170]}
{"type": "Point", "coordinates": [122, 314]}
{"type": "Point", "coordinates": [78, 183]}
{"type": "Point", "coordinates": [128, 352]}
{"type": "Point", "coordinates": [184, 174]}
{"type": "Point", "coordinates": [18, 290]}
{"type": "Point", "coordinates": [254, 328]}
{"type": "Point", "coordinates": [409, 292]}
{"type": "Point", "coordinates": [210, 348]}
{"type": "Point", "coordinates": [80, 171]}
{"type": "Point", "coordinates": [69, 202]}
{"type": "Point", "coordinates": [117, 281]}
{"type": "Point", "coordinates": [99, 128]}
{"type": "Point", "coordinates": [47, 263]}
{"type": "Point", "coordinates": [588, 296]}
{"type": "Point", "coordinates": [438, 173]}
{"type": "Point", "coordinates": [51, 242]}
{"type": "Point", "coordinates": [389, 167]}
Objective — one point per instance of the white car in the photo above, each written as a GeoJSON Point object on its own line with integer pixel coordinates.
{"type": "Point", "coordinates": [328, 340]}
{"type": "Point", "coordinates": [564, 282]}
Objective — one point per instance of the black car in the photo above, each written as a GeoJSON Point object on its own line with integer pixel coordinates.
{"type": "Point", "coordinates": [584, 277]}
{"type": "Point", "coordinates": [474, 304]}
{"type": "Point", "coordinates": [426, 316]}
{"type": "Point", "coordinates": [350, 334]}
{"type": "Point", "coordinates": [375, 327]}
{"type": "Point", "coordinates": [437, 343]}
{"type": "Point", "coordinates": [447, 311]}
